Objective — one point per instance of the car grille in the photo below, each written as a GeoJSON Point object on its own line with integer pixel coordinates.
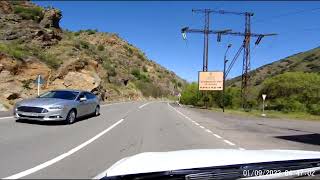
{"type": "Point", "coordinates": [31, 109]}
{"type": "Point", "coordinates": [40, 117]}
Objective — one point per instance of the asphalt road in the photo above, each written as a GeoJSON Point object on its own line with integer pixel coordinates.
{"type": "Point", "coordinates": [88, 147]}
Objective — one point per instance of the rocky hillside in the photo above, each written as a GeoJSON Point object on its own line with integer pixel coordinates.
{"type": "Point", "coordinates": [308, 61]}
{"type": "Point", "coordinates": [32, 43]}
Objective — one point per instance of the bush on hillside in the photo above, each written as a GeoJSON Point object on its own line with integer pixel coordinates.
{"type": "Point", "coordinates": [100, 47]}
{"type": "Point", "coordinates": [190, 94]}
{"type": "Point", "coordinates": [149, 89]}
{"type": "Point", "coordinates": [293, 91]}
{"type": "Point", "coordinates": [15, 50]}
{"type": "Point", "coordinates": [29, 13]}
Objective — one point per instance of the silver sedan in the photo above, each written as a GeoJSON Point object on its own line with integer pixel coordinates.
{"type": "Point", "coordinates": [58, 105]}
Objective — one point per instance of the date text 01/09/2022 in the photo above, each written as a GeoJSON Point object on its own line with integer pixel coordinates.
{"type": "Point", "coordinates": [263, 172]}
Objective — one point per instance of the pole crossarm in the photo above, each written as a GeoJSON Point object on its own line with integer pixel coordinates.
{"type": "Point", "coordinates": [221, 12]}
{"type": "Point", "coordinates": [248, 34]}
{"type": "Point", "coordinates": [187, 30]}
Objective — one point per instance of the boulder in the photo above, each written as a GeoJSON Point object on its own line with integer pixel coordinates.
{"type": "Point", "coordinates": [51, 18]}
{"type": "Point", "coordinates": [83, 80]}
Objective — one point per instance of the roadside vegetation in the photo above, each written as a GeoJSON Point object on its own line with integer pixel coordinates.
{"type": "Point", "coordinates": [29, 13]}
{"type": "Point", "coordinates": [292, 93]}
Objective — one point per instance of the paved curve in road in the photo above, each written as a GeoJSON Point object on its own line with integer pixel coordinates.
{"type": "Point", "coordinates": [89, 146]}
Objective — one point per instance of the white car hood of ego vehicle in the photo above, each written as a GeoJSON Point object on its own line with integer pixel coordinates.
{"type": "Point", "coordinates": [187, 159]}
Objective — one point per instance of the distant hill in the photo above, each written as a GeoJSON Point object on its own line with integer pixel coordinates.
{"type": "Point", "coordinates": [32, 43]}
{"type": "Point", "coordinates": [308, 61]}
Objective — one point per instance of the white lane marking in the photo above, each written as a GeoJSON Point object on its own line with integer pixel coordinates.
{"type": "Point", "coordinates": [7, 117]}
{"type": "Point", "coordinates": [62, 156]}
{"type": "Point", "coordinates": [207, 130]}
{"type": "Point", "coordinates": [228, 142]}
{"type": "Point", "coordinates": [144, 105]}
{"type": "Point", "coordinates": [217, 136]}
{"type": "Point", "coordinates": [240, 148]}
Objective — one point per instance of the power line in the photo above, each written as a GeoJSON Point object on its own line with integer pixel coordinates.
{"type": "Point", "coordinates": [284, 15]}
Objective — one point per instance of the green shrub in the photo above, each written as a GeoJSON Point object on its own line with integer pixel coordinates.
{"type": "Point", "coordinates": [91, 31]}
{"type": "Point", "coordinates": [81, 44]}
{"type": "Point", "coordinates": [50, 59]}
{"type": "Point", "coordinates": [111, 70]}
{"type": "Point", "coordinates": [26, 83]}
{"type": "Point", "coordinates": [142, 56]}
{"type": "Point", "coordinates": [100, 47]}
{"type": "Point", "coordinates": [149, 89]}
{"type": "Point", "coordinates": [84, 44]}
{"type": "Point", "coordinates": [314, 109]}
{"type": "Point", "coordinates": [14, 49]}
{"type": "Point", "coordinates": [145, 69]}
{"type": "Point", "coordinates": [34, 13]}
{"type": "Point", "coordinates": [190, 94]}
{"type": "Point", "coordinates": [140, 76]}
{"type": "Point", "coordinates": [128, 48]}
{"type": "Point", "coordinates": [136, 73]}
{"type": "Point", "coordinates": [293, 91]}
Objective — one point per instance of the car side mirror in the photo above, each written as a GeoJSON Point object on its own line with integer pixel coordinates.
{"type": "Point", "coordinates": [83, 99]}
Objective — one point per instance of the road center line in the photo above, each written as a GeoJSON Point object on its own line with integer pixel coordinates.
{"type": "Point", "coordinates": [228, 142]}
{"type": "Point", "coordinates": [144, 105]}
{"type": "Point", "coordinates": [208, 131]}
{"type": "Point", "coordinates": [62, 156]}
{"type": "Point", "coordinates": [201, 127]}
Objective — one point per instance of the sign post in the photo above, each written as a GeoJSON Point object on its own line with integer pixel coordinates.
{"type": "Point", "coordinates": [263, 99]}
{"type": "Point", "coordinates": [39, 80]}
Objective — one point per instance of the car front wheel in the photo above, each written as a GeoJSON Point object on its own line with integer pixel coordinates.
{"type": "Point", "coordinates": [71, 117]}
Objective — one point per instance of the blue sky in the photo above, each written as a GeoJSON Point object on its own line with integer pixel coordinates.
{"type": "Point", "coordinates": [154, 27]}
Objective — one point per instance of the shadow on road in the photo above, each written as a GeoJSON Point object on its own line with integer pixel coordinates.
{"type": "Point", "coordinates": [303, 138]}
{"type": "Point", "coordinates": [52, 123]}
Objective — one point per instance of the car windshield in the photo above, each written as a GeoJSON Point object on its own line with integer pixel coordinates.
{"type": "Point", "coordinates": [68, 95]}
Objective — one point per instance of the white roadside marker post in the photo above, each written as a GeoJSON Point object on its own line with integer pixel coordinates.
{"type": "Point", "coordinates": [38, 83]}
{"type": "Point", "coordinates": [263, 99]}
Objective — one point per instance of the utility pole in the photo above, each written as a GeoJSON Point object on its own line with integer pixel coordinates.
{"type": "Point", "coordinates": [246, 47]}
{"type": "Point", "coordinates": [205, 31]}
{"type": "Point", "coordinates": [246, 62]}
{"type": "Point", "coordinates": [224, 74]}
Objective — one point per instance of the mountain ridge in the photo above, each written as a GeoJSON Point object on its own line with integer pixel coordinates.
{"type": "Point", "coordinates": [299, 62]}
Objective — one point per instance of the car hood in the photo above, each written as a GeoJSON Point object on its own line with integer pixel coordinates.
{"type": "Point", "coordinates": [187, 159]}
{"type": "Point", "coordinates": [42, 102]}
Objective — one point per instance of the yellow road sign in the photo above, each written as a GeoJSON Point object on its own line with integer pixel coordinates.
{"type": "Point", "coordinates": [210, 81]}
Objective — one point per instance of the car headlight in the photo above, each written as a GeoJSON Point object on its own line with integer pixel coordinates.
{"type": "Point", "coordinates": [56, 107]}
{"type": "Point", "coordinates": [16, 107]}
